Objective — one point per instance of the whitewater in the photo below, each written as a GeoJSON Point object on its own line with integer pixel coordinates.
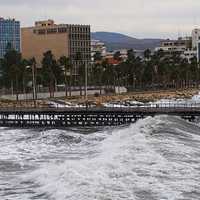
{"type": "Point", "coordinates": [153, 159]}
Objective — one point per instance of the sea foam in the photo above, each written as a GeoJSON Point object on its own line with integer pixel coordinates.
{"type": "Point", "coordinates": [143, 161]}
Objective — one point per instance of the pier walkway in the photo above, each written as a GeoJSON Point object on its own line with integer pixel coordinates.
{"type": "Point", "coordinates": [69, 117]}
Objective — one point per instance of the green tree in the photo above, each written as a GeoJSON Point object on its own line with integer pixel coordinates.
{"type": "Point", "coordinates": [81, 70]}
{"type": "Point", "coordinates": [98, 75]}
{"type": "Point", "coordinates": [97, 56]}
{"type": "Point", "coordinates": [25, 77]}
{"type": "Point", "coordinates": [147, 54]}
{"type": "Point", "coordinates": [64, 61]}
{"type": "Point", "coordinates": [48, 72]}
{"type": "Point", "coordinates": [11, 70]}
{"type": "Point", "coordinates": [117, 56]}
{"type": "Point", "coordinates": [131, 55]}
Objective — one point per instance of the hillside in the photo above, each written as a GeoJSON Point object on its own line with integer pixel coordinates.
{"type": "Point", "coordinates": [115, 41]}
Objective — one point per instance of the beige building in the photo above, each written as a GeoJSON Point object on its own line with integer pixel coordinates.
{"type": "Point", "coordinates": [178, 46]}
{"type": "Point", "coordinates": [63, 40]}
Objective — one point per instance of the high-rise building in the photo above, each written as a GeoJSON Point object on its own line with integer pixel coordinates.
{"type": "Point", "coordinates": [72, 41]}
{"type": "Point", "coordinates": [9, 35]}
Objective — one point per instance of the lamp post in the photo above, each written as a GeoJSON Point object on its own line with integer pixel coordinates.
{"type": "Point", "coordinates": [33, 82]}
{"type": "Point", "coordinates": [86, 82]}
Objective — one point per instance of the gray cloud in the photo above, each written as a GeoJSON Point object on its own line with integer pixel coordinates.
{"type": "Point", "coordinates": [139, 18]}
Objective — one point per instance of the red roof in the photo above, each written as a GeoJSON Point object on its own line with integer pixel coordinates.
{"type": "Point", "coordinates": [112, 61]}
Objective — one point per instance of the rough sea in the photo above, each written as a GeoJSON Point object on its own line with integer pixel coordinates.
{"type": "Point", "coordinates": [153, 159]}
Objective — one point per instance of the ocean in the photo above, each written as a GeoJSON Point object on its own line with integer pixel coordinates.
{"type": "Point", "coordinates": [153, 159]}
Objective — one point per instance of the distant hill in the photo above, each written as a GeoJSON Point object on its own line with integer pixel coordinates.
{"type": "Point", "coordinates": [114, 41]}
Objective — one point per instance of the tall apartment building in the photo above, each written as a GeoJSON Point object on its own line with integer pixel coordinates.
{"type": "Point", "coordinates": [62, 39]}
{"type": "Point", "coordinates": [9, 35]}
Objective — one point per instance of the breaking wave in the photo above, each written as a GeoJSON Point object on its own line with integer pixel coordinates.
{"type": "Point", "coordinates": [155, 158]}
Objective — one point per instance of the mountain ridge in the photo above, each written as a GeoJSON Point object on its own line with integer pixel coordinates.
{"type": "Point", "coordinates": [114, 41]}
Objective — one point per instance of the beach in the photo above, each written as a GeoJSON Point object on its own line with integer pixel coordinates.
{"type": "Point", "coordinates": [143, 96]}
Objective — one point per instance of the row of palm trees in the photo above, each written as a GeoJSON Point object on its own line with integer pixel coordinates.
{"type": "Point", "coordinates": [17, 73]}
{"type": "Point", "coordinates": [156, 70]}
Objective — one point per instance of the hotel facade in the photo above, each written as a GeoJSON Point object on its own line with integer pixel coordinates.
{"type": "Point", "coordinates": [62, 39]}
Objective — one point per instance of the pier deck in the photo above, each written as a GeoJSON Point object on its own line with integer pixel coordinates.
{"type": "Point", "coordinates": [69, 117]}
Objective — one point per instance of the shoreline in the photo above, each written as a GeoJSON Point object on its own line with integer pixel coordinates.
{"type": "Point", "coordinates": [143, 96]}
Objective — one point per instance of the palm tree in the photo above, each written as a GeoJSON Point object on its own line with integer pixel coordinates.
{"type": "Point", "coordinates": [117, 56]}
{"type": "Point", "coordinates": [48, 63]}
{"type": "Point", "coordinates": [34, 77]}
{"type": "Point", "coordinates": [81, 70]}
{"type": "Point", "coordinates": [24, 74]}
{"type": "Point", "coordinates": [64, 61]}
{"type": "Point", "coordinates": [97, 75]}
{"type": "Point", "coordinates": [11, 69]}
{"type": "Point", "coordinates": [147, 54]}
{"type": "Point", "coordinates": [97, 56]}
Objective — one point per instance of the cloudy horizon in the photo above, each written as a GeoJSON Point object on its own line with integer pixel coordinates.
{"type": "Point", "coordinates": [136, 18]}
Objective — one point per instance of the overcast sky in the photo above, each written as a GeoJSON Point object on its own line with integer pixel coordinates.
{"type": "Point", "coordinates": [138, 18]}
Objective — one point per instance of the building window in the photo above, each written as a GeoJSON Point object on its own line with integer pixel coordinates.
{"type": "Point", "coordinates": [62, 30]}
{"type": "Point", "coordinates": [52, 30]}
{"type": "Point", "coordinates": [41, 31]}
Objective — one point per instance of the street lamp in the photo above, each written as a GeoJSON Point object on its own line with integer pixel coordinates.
{"type": "Point", "coordinates": [86, 81]}
{"type": "Point", "coordinates": [33, 82]}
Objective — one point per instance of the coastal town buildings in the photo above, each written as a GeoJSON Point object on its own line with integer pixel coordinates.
{"type": "Point", "coordinates": [183, 46]}
{"type": "Point", "coordinates": [68, 40]}
{"type": "Point", "coordinates": [9, 35]}
{"type": "Point", "coordinates": [109, 56]}
{"type": "Point", "coordinates": [178, 46]}
{"type": "Point", "coordinates": [189, 54]}
{"type": "Point", "coordinates": [97, 47]}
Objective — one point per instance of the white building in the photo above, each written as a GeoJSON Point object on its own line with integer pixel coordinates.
{"type": "Point", "coordinates": [195, 38]}
{"type": "Point", "coordinates": [189, 54]}
{"type": "Point", "coordinates": [173, 46]}
{"type": "Point", "coordinates": [97, 46]}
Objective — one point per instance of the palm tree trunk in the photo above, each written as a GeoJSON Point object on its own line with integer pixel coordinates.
{"type": "Point", "coordinates": [12, 88]}
{"type": "Point", "coordinates": [70, 83]}
{"type": "Point", "coordinates": [80, 88]}
{"type": "Point", "coordinates": [66, 87]}
{"type": "Point", "coordinates": [56, 89]}
{"type": "Point", "coordinates": [51, 88]}
{"type": "Point", "coordinates": [23, 82]}
{"type": "Point", "coordinates": [16, 80]}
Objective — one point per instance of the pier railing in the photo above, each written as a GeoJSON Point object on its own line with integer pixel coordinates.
{"type": "Point", "coordinates": [90, 116]}
{"type": "Point", "coordinates": [146, 108]}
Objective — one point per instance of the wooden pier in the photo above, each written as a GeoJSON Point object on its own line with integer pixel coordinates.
{"type": "Point", "coordinates": [71, 117]}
